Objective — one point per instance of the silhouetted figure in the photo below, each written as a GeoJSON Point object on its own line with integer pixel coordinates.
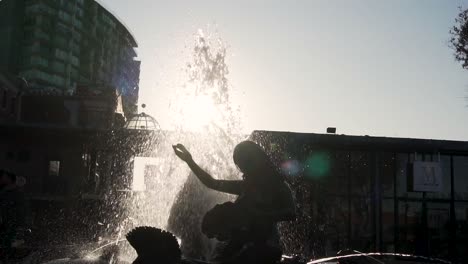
{"type": "Point", "coordinates": [12, 209]}
{"type": "Point", "coordinates": [186, 215]}
{"type": "Point", "coordinates": [247, 227]}
{"type": "Point", "coordinates": [154, 246]}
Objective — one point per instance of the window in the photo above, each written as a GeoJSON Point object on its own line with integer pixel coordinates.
{"type": "Point", "coordinates": [61, 54]}
{"type": "Point", "coordinates": [410, 225]}
{"type": "Point", "coordinates": [56, 184]}
{"type": "Point", "coordinates": [62, 28]}
{"type": "Point", "coordinates": [75, 47]}
{"type": "Point", "coordinates": [403, 162]}
{"type": "Point", "coordinates": [37, 75]}
{"type": "Point", "coordinates": [76, 35]}
{"type": "Point", "coordinates": [58, 66]}
{"type": "Point", "coordinates": [438, 222]}
{"type": "Point", "coordinates": [57, 80]}
{"type": "Point", "coordinates": [388, 224]}
{"type": "Point", "coordinates": [362, 223]}
{"type": "Point", "coordinates": [39, 7]}
{"type": "Point", "coordinates": [460, 170]}
{"type": "Point", "coordinates": [37, 60]}
{"type": "Point", "coordinates": [75, 61]}
{"type": "Point", "coordinates": [41, 34]}
{"type": "Point", "coordinates": [74, 73]}
{"type": "Point", "coordinates": [77, 23]}
{"type": "Point", "coordinates": [4, 99]}
{"type": "Point", "coordinates": [33, 48]}
{"type": "Point", "coordinates": [9, 155]}
{"type": "Point", "coordinates": [360, 173]}
{"type": "Point", "coordinates": [31, 21]}
{"type": "Point", "coordinates": [331, 168]}
{"type": "Point", "coordinates": [46, 22]}
{"type": "Point", "coordinates": [461, 216]}
{"type": "Point", "coordinates": [54, 168]}
{"type": "Point", "coordinates": [33, 8]}
{"type": "Point", "coordinates": [86, 158]}
{"type": "Point", "coordinates": [23, 156]}
{"type": "Point", "coordinates": [445, 180]}
{"type": "Point", "coordinates": [13, 105]}
{"type": "Point", "coordinates": [387, 172]}
{"type": "Point", "coordinates": [64, 16]}
{"type": "Point", "coordinates": [60, 41]}
{"type": "Point", "coordinates": [79, 12]}
{"type": "Point", "coordinates": [151, 180]}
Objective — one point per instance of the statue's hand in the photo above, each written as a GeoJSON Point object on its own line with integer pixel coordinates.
{"type": "Point", "coordinates": [182, 152]}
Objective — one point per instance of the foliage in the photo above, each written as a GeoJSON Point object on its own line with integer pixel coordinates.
{"type": "Point", "coordinates": [459, 38]}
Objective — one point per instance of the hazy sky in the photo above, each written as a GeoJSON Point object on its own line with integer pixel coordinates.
{"type": "Point", "coordinates": [366, 67]}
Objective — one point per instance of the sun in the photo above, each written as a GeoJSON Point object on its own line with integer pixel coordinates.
{"type": "Point", "coordinates": [198, 113]}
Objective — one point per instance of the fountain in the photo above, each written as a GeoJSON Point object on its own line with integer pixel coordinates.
{"type": "Point", "coordinates": [164, 193]}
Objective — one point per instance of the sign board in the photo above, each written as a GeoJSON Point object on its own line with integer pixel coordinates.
{"type": "Point", "coordinates": [427, 177]}
{"type": "Point", "coordinates": [139, 166]}
{"type": "Point", "coordinates": [437, 218]}
{"type": "Point", "coordinates": [54, 168]}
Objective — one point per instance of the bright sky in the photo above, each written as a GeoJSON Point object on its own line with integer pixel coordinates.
{"type": "Point", "coordinates": [380, 68]}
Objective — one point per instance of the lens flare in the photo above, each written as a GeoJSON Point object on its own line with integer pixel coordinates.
{"type": "Point", "coordinates": [291, 167]}
{"type": "Point", "coordinates": [317, 166]}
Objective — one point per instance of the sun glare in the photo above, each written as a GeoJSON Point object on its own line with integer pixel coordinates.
{"type": "Point", "coordinates": [199, 113]}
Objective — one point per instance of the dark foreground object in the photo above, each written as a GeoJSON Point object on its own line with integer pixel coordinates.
{"type": "Point", "coordinates": [155, 246]}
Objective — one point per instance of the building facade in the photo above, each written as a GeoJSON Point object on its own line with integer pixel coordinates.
{"type": "Point", "coordinates": [362, 193]}
{"type": "Point", "coordinates": [74, 164]}
{"type": "Point", "coordinates": [59, 45]}
{"type": "Point", "coordinates": [10, 97]}
{"type": "Point", "coordinates": [69, 79]}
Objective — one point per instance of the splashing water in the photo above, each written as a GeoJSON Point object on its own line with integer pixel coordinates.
{"type": "Point", "coordinates": [167, 195]}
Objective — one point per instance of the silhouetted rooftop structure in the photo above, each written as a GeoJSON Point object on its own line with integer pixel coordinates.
{"type": "Point", "coordinates": [352, 142]}
{"type": "Point", "coordinates": [142, 121]}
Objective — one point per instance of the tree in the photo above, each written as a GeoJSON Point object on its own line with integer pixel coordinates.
{"type": "Point", "coordinates": [459, 38]}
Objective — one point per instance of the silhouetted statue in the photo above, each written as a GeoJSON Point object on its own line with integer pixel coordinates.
{"type": "Point", "coordinates": [185, 218]}
{"type": "Point", "coordinates": [154, 245]}
{"type": "Point", "coordinates": [247, 227]}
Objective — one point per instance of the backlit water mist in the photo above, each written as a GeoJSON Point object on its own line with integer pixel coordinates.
{"type": "Point", "coordinates": [166, 195]}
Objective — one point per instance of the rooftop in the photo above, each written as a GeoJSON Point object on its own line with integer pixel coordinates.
{"type": "Point", "coordinates": [347, 142]}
